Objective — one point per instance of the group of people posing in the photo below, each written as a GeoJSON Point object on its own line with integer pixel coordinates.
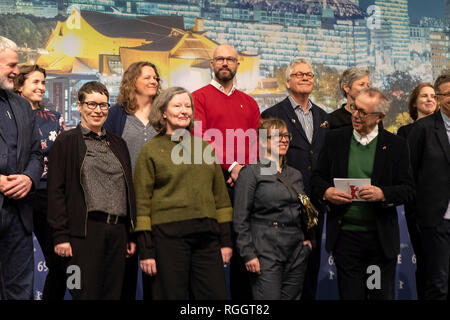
{"type": "Point", "coordinates": [111, 196]}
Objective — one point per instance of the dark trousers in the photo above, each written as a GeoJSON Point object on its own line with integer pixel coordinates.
{"type": "Point", "coordinates": [354, 252]}
{"type": "Point", "coordinates": [16, 255]}
{"type": "Point", "coordinates": [436, 249]}
{"type": "Point", "coordinates": [416, 242]}
{"type": "Point", "coordinates": [192, 264]}
{"type": "Point", "coordinates": [130, 278]}
{"type": "Point", "coordinates": [101, 259]}
{"type": "Point", "coordinates": [55, 282]}
{"type": "Point", "coordinates": [313, 267]}
{"type": "Point", "coordinates": [240, 288]}
{"type": "Point", "coordinates": [283, 260]}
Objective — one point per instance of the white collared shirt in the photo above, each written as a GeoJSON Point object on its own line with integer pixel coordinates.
{"type": "Point", "coordinates": [219, 87]}
{"type": "Point", "coordinates": [365, 140]}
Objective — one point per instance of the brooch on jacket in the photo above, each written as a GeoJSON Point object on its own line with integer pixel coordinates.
{"type": "Point", "coordinates": [325, 124]}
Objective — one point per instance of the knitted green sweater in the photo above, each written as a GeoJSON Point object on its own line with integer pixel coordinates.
{"type": "Point", "coordinates": [361, 215]}
{"type": "Point", "coordinates": [170, 191]}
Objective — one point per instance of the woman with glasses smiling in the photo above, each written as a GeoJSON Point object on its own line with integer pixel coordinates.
{"type": "Point", "coordinates": [267, 219]}
{"type": "Point", "coordinates": [91, 199]}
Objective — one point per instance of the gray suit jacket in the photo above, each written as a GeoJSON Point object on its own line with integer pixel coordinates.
{"type": "Point", "coordinates": [29, 154]}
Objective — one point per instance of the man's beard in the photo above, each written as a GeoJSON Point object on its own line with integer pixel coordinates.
{"type": "Point", "coordinates": [228, 77]}
{"type": "Point", "coordinates": [5, 84]}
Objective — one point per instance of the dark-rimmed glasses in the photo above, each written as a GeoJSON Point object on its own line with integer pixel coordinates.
{"type": "Point", "coordinates": [281, 136]}
{"type": "Point", "coordinates": [361, 113]}
{"type": "Point", "coordinates": [300, 75]}
{"type": "Point", "coordinates": [92, 105]}
{"type": "Point", "coordinates": [229, 60]}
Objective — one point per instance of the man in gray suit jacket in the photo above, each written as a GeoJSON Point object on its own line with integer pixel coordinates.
{"type": "Point", "coordinates": [21, 167]}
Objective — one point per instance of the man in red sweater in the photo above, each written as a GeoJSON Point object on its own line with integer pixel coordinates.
{"type": "Point", "coordinates": [229, 119]}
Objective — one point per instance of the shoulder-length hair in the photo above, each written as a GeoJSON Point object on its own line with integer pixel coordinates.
{"type": "Point", "coordinates": [412, 107]}
{"type": "Point", "coordinates": [24, 72]}
{"type": "Point", "coordinates": [160, 104]}
{"type": "Point", "coordinates": [127, 94]}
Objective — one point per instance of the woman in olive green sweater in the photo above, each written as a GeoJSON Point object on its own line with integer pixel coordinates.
{"type": "Point", "coordinates": [183, 210]}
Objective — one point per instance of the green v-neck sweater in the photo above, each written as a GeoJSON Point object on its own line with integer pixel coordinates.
{"type": "Point", "coordinates": [173, 183]}
{"type": "Point", "coordinates": [361, 215]}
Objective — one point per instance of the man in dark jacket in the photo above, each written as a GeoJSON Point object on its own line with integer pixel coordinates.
{"type": "Point", "coordinates": [307, 123]}
{"type": "Point", "coordinates": [430, 157]}
{"type": "Point", "coordinates": [364, 237]}
{"type": "Point", "coordinates": [21, 167]}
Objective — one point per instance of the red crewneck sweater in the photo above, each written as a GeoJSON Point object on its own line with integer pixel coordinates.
{"type": "Point", "coordinates": [219, 112]}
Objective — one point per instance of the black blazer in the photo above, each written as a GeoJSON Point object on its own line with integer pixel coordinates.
{"type": "Point", "coordinates": [29, 153]}
{"type": "Point", "coordinates": [301, 155]}
{"type": "Point", "coordinates": [67, 211]}
{"type": "Point", "coordinates": [430, 159]}
{"type": "Point", "coordinates": [391, 173]}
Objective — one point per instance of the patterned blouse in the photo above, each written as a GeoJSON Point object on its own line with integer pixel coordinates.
{"type": "Point", "coordinates": [50, 124]}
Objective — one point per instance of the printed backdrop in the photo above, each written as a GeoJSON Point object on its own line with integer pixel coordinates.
{"type": "Point", "coordinates": [402, 43]}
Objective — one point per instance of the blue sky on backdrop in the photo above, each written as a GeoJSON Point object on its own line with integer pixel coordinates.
{"type": "Point", "coordinates": [417, 8]}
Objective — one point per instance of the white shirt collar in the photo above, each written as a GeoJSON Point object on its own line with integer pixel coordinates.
{"type": "Point", "coordinates": [221, 88]}
{"type": "Point", "coordinates": [365, 140]}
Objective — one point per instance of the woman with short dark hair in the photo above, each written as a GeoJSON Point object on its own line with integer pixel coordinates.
{"type": "Point", "coordinates": [271, 236]}
{"type": "Point", "coordinates": [91, 199]}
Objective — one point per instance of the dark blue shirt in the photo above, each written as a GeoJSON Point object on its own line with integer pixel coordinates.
{"type": "Point", "coordinates": [8, 128]}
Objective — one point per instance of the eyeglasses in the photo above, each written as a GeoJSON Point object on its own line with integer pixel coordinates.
{"type": "Point", "coordinates": [92, 105]}
{"type": "Point", "coordinates": [361, 113]}
{"type": "Point", "coordinates": [282, 136]}
{"type": "Point", "coordinates": [443, 94]}
{"type": "Point", "coordinates": [300, 75]}
{"type": "Point", "coordinates": [229, 60]}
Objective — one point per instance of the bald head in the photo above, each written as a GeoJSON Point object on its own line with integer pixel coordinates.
{"type": "Point", "coordinates": [224, 64]}
{"type": "Point", "coordinates": [225, 50]}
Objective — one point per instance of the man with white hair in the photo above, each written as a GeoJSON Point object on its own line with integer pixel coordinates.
{"type": "Point", "coordinates": [21, 167]}
{"type": "Point", "coordinates": [307, 123]}
{"type": "Point", "coordinates": [364, 235]}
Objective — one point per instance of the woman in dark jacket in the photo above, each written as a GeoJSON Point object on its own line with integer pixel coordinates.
{"type": "Point", "coordinates": [30, 84]}
{"type": "Point", "coordinates": [267, 219]}
{"type": "Point", "coordinates": [91, 201]}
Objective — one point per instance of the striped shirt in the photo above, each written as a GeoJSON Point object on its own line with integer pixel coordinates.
{"type": "Point", "coordinates": [305, 117]}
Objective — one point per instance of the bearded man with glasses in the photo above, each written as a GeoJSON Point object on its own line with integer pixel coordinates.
{"type": "Point", "coordinates": [364, 236]}
{"type": "Point", "coordinates": [229, 118]}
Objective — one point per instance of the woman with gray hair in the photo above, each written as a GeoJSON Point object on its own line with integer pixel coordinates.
{"type": "Point", "coordinates": [353, 80]}
{"type": "Point", "coordinates": [184, 212]}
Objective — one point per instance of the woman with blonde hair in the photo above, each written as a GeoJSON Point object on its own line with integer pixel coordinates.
{"type": "Point", "coordinates": [129, 119]}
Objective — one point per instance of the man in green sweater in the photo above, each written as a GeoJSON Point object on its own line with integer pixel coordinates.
{"type": "Point", "coordinates": [364, 236]}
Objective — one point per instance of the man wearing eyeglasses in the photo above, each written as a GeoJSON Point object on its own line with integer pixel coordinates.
{"type": "Point", "coordinates": [364, 236]}
{"type": "Point", "coordinates": [307, 123]}
{"type": "Point", "coordinates": [21, 168]}
{"type": "Point", "coordinates": [91, 201]}
{"type": "Point", "coordinates": [229, 118]}
{"type": "Point", "coordinates": [430, 157]}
